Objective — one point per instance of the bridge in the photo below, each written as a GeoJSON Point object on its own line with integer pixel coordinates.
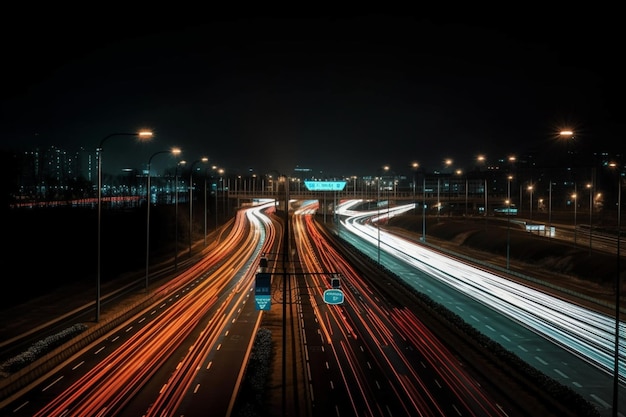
{"type": "Point", "coordinates": [460, 204]}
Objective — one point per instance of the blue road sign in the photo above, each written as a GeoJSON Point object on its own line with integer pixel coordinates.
{"type": "Point", "coordinates": [262, 283]}
{"type": "Point", "coordinates": [333, 296]}
{"type": "Point", "coordinates": [263, 302]}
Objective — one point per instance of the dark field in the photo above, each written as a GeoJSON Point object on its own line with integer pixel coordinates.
{"type": "Point", "coordinates": [48, 249]}
{"type": "Point", "coordinates": [562, 263]}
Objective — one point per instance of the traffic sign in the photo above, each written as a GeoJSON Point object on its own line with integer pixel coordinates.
{"type": "Point", "coordinates": [262, 283]}
{"type": "Point", "coordinates": [333, 296]}
{"type": "Point", "coordinates": [263, 302]}
{"type": "Point", "coordinates": [262, 290]}
{"type": "Point", "coordinates": [325, 185]}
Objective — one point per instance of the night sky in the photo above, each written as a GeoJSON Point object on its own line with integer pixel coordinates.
{"type": "Point", "coordinates": [341, 95]}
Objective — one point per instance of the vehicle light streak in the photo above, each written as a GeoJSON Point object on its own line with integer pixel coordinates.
{"type": "Point", "coordinates": [584, 332]}
{"type": "Point", "coordinates": [123, 371]}
{"type": "Point", "coordinates": [383, 334]}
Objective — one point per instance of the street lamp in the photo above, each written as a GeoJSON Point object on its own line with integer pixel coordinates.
{"type": "Point", "coordinates": [574, 197]}
{"type": "Point", "coordinates": [466, 195]}
{"type": "Point", "coordinates": [385, 168]}
{"type": "Point", "coordinates": [530, 204]}
{"type": "Point", "coordinates": [174, 151]}
{"type": "Point", "coordinates": [550, 209]}
{"type": "Point", "coordinates": [447, 163]}
{"type": "Point", "coordinates": [590, 186]}
{"type": "Point", "coordinates": [205, 208]}
{"type": "Point", "coordinates": [424, 208]}
{"type": "Point", "coordinates": [221, 172]}
{"type": "Point", "coordinates": [481, 159]}
{"type": "Point", "coordinates": [459, 172]}
{"type": "Point", "coordinates": [142, 135]}
{"type": "Point", "coordinates": [204, 159]}
{"type": "Point", "coordinates": [415, 166]}
{"type": "Point", "coordinates": [618, 288]}
{"type": "Point", "coordinates": [508, 221]}
{"type": "Point", "coordinates": [176, 215]}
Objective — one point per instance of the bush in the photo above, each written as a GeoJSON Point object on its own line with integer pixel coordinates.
{"type": "Point", "coordinates": [40, 348]}
{"type": "Point", "coordinates": [257, 375]}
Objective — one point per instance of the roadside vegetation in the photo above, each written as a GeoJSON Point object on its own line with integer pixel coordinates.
{"type": "Point", "coordinates": [573, 266]}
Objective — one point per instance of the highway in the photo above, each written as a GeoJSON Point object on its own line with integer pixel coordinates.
{"type": "Point", "coordinates": [368, 355]}
{"type": "Point", "coordinates": [570, 343]}
{"type": "Point", "coordinates": [162, 361]}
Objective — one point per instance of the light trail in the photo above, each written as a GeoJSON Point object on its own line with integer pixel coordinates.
{"type": "Point", "coordinates": [588, 334]}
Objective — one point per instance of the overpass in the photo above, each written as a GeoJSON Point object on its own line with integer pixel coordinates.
{"type": "Point", "coordinates": [460, 204]}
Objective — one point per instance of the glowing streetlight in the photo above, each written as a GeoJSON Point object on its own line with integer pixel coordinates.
{"type": "Point", "coordinates": [482, 159]}
{"type": "Point", "coordinates": [204, 159]}
{"type": "Point", "coordinates": [446, 162]}
{"type": "Point", "coordinates": [590, 187]}
{"type": "Point", "coordinates": [508, 221]}
{"type": "Point", "coordinates": [221, 172]}
{"type": "Point", "coordinates": [205, 207]}
{"type": "Point", "coordinates": [424, 208]}
{"type": "Point", "coordinates": [550, 209]}
{"type": "Point", "coordinates": [174, 151]}
{"type": "Point", "coordinates": [384, 168]}
{"type": "Point", "coordinates": [530, 190]}
{"type": "Point", "coordinates": [459, 173]}
{"type": "Point", "coordinates": [414, 166]}
{"type": "Point", "coordinates": [142, 135]}
{"type": "Point", "coordinates": [618, 289]}
{"type": "Point", "coordinates": [176, 214]}
{"type": "Point", "coordinates": [574, 197]}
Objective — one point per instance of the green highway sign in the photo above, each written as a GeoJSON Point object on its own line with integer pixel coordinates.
{"type": "Point", "coordinates": [325, 185]}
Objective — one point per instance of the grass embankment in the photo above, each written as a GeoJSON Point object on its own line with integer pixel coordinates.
{"type": "Point", "coordinates": [595, 270]}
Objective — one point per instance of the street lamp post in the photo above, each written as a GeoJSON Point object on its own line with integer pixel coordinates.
{"type": "Point", "coordinates": [530, 204]}
{"type": "Point", "coordinates": [459, 172]}
{"type": "Point", "coordinates": [424, 208]}
{"type": "Point", "coordinates": [205, 208]}
{"type": "Point", "coordinates": [141, 135]}
{"type": "Point", "coordinates": [618, 288]}
{"type": "Point", "coordinates": [574, 197]}
{"type": "Point", "coordinates": [486, 202]}
{"type": "Point", "coordinates": [438, 201]}
{"type": "Point", "coordinates": [221, 182]}
{"type": "Point", "coordinates": [590, 186]}
{"type": "Point", "coordinates": [446, 163]}
{"type": "Point", "coordinates": [204, 159]}
{"type": "Point", "coordinates": [378, 217]}
{"type": "Point", "coordinates": [415, 166]}
{"type": "Point", "coordinates": [466, 195]}
{"type": "Point", "coordinates": [216, 191]}
{"type": "Point", "coordinates": [385, 168]}
{"type": "Point", "coordinates": [176, 215]}
{"type": "Point", "coordinates": [550, 209]}
{"type": "Point", "coordinates": [174, 151]}
{"type": "Point", "coordinates": [508, 222]}
{"type": "Point", "coordinates": [481, 159]}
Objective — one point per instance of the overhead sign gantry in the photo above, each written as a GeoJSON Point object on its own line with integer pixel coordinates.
{"type": "Point", "coordinates": [263, 284]}
{"type": "Point", "coordinates": [324, 185]}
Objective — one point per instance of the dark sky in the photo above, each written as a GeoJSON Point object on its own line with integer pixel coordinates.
{"type": "Point", "coordinates": [342, 95]}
